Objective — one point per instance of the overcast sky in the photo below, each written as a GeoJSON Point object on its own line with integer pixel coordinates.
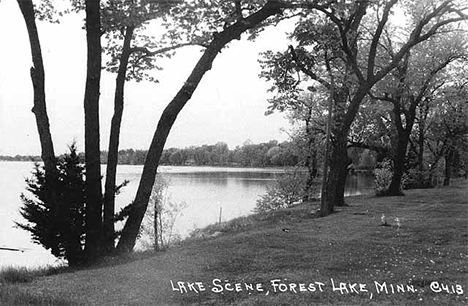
{"type": "Point", "coordinates": [228, 105]}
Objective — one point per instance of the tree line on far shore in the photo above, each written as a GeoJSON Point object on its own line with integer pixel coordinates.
{"type": "Point", "coordinates": [249, 154]}
{"type": "Point", "coordinates": [267, 154]}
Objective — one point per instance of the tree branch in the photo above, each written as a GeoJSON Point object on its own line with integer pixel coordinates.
{"type": "Point", "coordinates": [147, 52]}
{"type": "Point", "coordinates": [416, 37]}
{"type": "Point", "coordinates": [376, 38]}
{"type": "Point", "coordinates": [307, 71]}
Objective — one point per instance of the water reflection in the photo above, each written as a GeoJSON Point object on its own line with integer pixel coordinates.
{"type": "Point", "coordinates": [359, 183]}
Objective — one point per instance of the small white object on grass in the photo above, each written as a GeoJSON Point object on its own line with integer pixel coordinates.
{"type": "Point", "coordinates": [398, 223]}
{"type": "Point", "coordinates": [383, 220]}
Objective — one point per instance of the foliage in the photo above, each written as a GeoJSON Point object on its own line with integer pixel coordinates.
{"type": "Point", "coordinates": [161, 216]}
{"type": "Point", "coordinates": [287, 190]}
{"type": "Point", "coordinates": [419, 179]}
{"type": "Point", "coordinates": [55, 213]}
{"type": "Point", "coordinates": [265, 154]}
{"type": "Point", "coordinates": [383, 177]}
{"type": "Point", "coordinates": [340, 48]}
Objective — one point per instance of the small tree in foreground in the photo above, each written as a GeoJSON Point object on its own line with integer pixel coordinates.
{"type": "Point", "coordinates": [287, 190]}
{"type": "Point", "coordinates": [161, 216]}
{"type": "Point", "coordinates": [55, 210]}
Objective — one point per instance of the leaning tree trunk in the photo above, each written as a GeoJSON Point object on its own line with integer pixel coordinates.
{"type": "Point", "coordinates": [169, 115]}
{"type": "Point", "coordinates": [112, 157]}
{"type": "Point", "coordinates": [92, 149]}
{"type": "Point", "coordinates": [38, 79]}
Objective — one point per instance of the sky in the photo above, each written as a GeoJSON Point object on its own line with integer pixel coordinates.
{"type": "Point", "coordinates": [228, 105]}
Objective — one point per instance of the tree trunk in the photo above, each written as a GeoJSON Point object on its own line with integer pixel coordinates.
{"type": "Point", "coordinates": [424, 110]}
{"type": "Point", "coordinates": [112, 158]}
{"type": "Point", "coordinates": [169, 115]}
{"type": "Point", "coordinates": [311, 160]}
{"type": "Point", "coordinates": [421, 137]}
{"type": "Point", "coordinates": [92, 149]}
{"type": "Point", "coordinates": [339, 161]}
{"type": "Point", "coordinates": [449, 154]}
{"type": "Point", "coordinates": [38, 79]}
{"type": "Point", "coordinates": [398, 166]}
{"type": "Point", "coordinates": [311, 165]}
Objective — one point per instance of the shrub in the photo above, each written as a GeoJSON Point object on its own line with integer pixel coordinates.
{"type": "Point", "coordinates": [55, 213]}
{"type": "Point", "coordinates": [287, 190]}
{"type": "Point", "coordinates": [383, 177]}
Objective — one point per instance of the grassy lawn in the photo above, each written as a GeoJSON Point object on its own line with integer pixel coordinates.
{"type": "Point", "coordinates": [290, 258]}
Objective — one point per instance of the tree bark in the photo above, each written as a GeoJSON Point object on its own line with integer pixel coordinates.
{"type": "Point", "coordinates": [169, 115]}
{"type": "Point", "coordinates": [449, 154]}
{"type": "Point", "coordinates": [311, 159]}
{"type": "Point", "coordinates": [92, 147]}
{"type": "Point", "coordinates": [112, 158]}
{"type": "Point", "coordinates": [398, 166]}
{"type": "Point", "coordinates": [336, 182]}
{"type": "Point", "coordinates": [38, 80]}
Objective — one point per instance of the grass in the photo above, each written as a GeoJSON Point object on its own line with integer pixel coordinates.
{"type": "Point", "coordinates": [12, 295]}
{"type": "Point", "coordinates": [428, 250]}
{"type": "Point", "coordinates": [14, 275]}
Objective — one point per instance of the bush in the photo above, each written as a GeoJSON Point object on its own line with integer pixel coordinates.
{"type": "Point", "coordinates": [417, 179]}
{"type": "Point", "coordinates": [55, 213]}
{"type": "Point", "coordinates": [383, 177]}
{"type": "Point", "coordinates": [287, 190]}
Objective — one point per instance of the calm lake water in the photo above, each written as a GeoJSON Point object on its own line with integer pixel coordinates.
{"type": "Point", "coordinates": [206, 190]}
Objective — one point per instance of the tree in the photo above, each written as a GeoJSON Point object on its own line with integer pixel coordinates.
{"type": "Point", "coordinates": [448, 130]}
{"type": "Point", "coordinates": [57, 224]}
{"type": "Point", "coordinates": [38, 80]}
{"type": "Point", "coordinates": [92, 135]}
{"type": "Point", "coordinates": [412, 82]}
{"type": "Point", "coordinates": [220, 40]}
{"type": "Point", "coordinates": [340, 49]}
{"type": "Point", "coordinates": [306, 111]}
{"type": "Point", "coordinates": [112, 159]}
{"type": "Point", "coordinates": [124, 22]}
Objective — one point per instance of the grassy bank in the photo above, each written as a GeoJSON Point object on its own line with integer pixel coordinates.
{"type": "Point", "coordinates": [289, 258]}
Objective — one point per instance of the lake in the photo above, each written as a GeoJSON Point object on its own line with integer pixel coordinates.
{"type": "Point", "coordinates": [206, 191]}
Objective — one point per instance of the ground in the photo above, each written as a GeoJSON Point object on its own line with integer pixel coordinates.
{"type": "Point", "coordinates": [348, 258]}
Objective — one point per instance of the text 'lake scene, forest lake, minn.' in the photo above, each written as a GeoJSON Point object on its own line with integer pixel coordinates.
{"type": "Point", "coordinates": [260, 152]}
